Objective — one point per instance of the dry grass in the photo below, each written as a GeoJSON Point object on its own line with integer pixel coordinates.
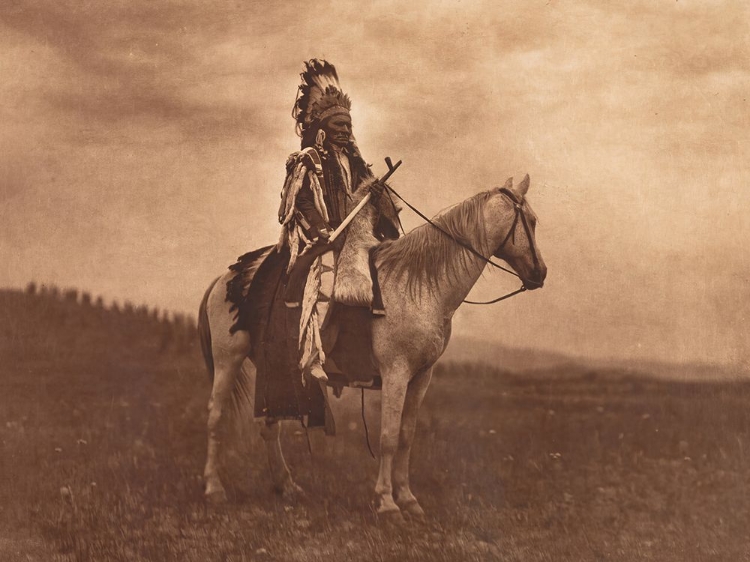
{"type": "Point", "coordinates": [103, 450]}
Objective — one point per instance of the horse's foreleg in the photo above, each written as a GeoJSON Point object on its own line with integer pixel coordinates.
{"type": "Point", "coordinates": [402, 492]}
{"type": "Point", "coordinates": [395, 382]}
{"type": "Point", "coordinates": [280, 474]}
{"type": "Point", "coordinates": [227, 364]}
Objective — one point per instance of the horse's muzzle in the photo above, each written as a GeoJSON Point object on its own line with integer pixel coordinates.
{"type": "Point", "coordinates": [538, 281]}
{"type": "Point", "coordinates": [530, 285]}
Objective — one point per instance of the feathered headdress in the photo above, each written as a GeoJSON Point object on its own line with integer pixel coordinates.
{"type": "Point", "coordinates": [319, 95]}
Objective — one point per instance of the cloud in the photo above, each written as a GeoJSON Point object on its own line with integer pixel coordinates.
{"type": "Point", "coordinates": [685, 39]}
{"type": "Point", "coordinates": [125, 61]}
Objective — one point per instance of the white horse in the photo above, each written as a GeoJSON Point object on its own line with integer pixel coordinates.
{"type": "Point", "coordinates": [425, 276]}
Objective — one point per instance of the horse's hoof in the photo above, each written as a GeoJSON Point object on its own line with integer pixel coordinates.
{"type": "Point", "coordinates": [216, 497]}
{"type": "Point", "coordinates": [413, 511]}
{"type": "Point", "coordinates": [392, 519]}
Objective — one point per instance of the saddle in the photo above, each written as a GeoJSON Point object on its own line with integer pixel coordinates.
{"type": "Point", "coordinates": [261, 292]}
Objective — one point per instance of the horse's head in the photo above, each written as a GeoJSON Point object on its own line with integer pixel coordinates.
{"type": "Point", "coordinates": [510, 230]}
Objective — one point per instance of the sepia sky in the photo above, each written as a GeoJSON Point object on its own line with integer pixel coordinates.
{"type": "Point", "coordinates": [143, 142]}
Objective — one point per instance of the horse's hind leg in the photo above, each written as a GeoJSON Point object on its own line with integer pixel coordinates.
{"type": "Point", "coordinates": [225, 352]}
{"type": "Point", "coordinates": [401, 491]}
{"type": "Point", "coordinates": [280, 474]}
{"type": "Point", "coordinates": [227, 363]}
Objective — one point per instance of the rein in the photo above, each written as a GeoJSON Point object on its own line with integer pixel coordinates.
{"type": "Point", "coordinates": [518, 206]}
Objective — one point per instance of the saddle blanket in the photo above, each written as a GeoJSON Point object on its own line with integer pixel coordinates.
{"type": "Point", "coordinates": [258, 293]}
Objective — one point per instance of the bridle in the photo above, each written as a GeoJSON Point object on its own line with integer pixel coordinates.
{"type": "Point", "coordinates": [518, 205]}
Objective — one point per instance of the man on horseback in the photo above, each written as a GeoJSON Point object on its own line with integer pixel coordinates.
{"type": "Point", "coordinates": [321, 180]}
{"type": "Point", "coordinates": [250, 313]}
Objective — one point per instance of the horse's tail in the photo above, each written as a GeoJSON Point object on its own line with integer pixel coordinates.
{"type": "Point", "coordinates": [204, 331]}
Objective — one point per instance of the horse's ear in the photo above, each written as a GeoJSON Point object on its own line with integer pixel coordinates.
{"type": "Point", "coordinates": [508, 184]}
{"type": "Point", "coordinates": [523, 187]}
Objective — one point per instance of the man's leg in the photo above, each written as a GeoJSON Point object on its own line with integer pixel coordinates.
{"type": "Point", "coordinates": [322, 286]}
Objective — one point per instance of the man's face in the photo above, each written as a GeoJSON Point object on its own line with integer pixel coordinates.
{"type": "Point", "coordinates": [338, 130]}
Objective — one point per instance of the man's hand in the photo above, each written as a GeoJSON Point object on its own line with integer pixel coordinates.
{"type": "Point", "coordinates": [376, 188]}
{"type": "Point", "coordinates": [324, 235]}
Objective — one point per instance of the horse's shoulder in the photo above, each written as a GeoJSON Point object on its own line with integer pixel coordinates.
{"type": "Point", "coordinates": [408, 320]}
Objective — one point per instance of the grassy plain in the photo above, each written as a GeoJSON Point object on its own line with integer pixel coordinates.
{"type": "Point", "coordinates": [102, 419]}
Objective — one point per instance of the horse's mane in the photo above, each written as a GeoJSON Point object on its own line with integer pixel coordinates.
{"type": "Point", "coordinates": [429, 256]}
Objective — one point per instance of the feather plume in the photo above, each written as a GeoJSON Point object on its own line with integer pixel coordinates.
{"type": "Point", "coordinates": [319, 91]}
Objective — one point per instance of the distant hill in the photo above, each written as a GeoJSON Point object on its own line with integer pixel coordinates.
{"type": "Point", "coordinates": [47, 323]}
{"type": "Point", "coordinates": [462, 349]}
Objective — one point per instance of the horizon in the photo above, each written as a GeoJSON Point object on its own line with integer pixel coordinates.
{"type": "Point", "coordinates": [467, 342]}
{"type": "Point", "coordinates": [144, 144]}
